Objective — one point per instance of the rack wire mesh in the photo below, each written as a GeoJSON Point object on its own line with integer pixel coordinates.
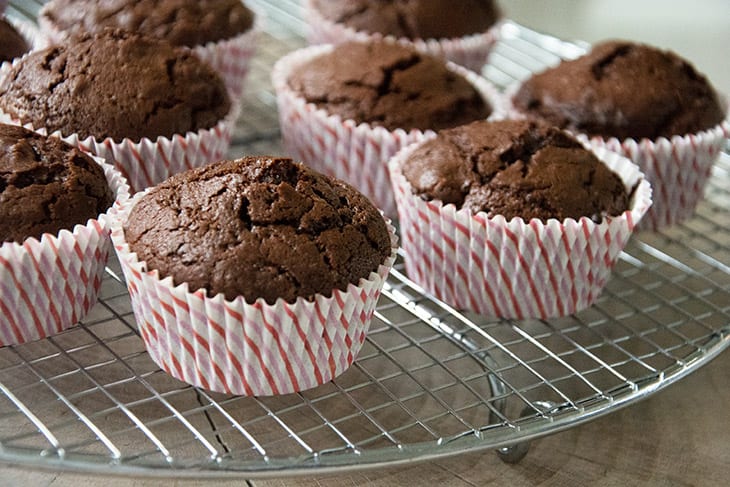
{"type": "Point", "coordinates": [430, 381]}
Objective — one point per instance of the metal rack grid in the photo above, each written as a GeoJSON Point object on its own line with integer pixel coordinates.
{"type": "Point", "coordinates": [429, 382]}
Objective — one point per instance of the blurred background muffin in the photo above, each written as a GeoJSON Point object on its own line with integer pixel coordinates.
{"type": "Point", "coordinates": [221, 32]}
{"type": "Point", "coordinates": [462, 31]}
{"type": "Point", "coordinates": [645, 103]}
{"type": "Point", "coordinates": [12, 42]}
{"type": "Point", "coordinates": [115, 90]}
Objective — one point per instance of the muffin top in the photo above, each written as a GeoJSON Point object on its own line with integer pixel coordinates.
{"type": "Point", "coordinates": [12, 44]}
{"type": "Point", "coordinates": [258, 227]}
{"type": "Point", "coordinates": [622, 89]}
{"type": "Point", "coordinates": [414, 19]}
{"type": "Point", "coordinates": [46, 185]}
{"type": "Point", "coordinates": [181, 22]}
{"type": "Point", "coordinates": [115, 84]}
{"type": "Point", "coordinates": [389, 85]}
{"type": "Point", "coordinates": [515, 169]}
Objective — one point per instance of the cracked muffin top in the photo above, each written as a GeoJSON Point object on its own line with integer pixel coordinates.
{"type": "Point", "coordinates": [46, 185]}
{"type": "Point", "coordinates": [115, 84]}
{"type": "Point", "coordinates": [181, 22]}
{"type": "Point", "coordinates": [522, 169]}
{"type": "Point", "coordinates": [389, 85]}
{"type": "Point", "coordinates": [414, 19]}
{"type": "Point", "coordinates": [622, 89]}
{"type": "Point", "coordinates": [258, 227]}
{"type": "Point", "coordinates": [12, 44]}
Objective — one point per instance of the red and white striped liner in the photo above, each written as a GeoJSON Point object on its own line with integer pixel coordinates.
{"type": "Point", "coordinates": [147, 163]}
{"type": "Point", "coordinates": [230, 57]}
{"type": "Point", "coordinates": [678, 169]}
{"type": "Point", "coordinates": [513, 269]}
{"type": "Point", "coordinates": [356, 153]}
{"type": "Point", "coordinates": [48, 285]}
{"type": "Point", "coordinates": [469, 51]}
{"type": "Point", "coordinates": [247, 349]}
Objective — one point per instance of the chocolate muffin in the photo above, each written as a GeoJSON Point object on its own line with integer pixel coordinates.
{"type": "Point", "coordinates": [515, 169]}
{"type": "Point", "coordinates": [115, 84]}
{"type": "Point", "coordinates": [12, 44]}
{"type": "Point", "coordinates": [389, 85]}
{"type": "Point", "coordinates": [622, 89]}
{"type": "Point", "coordinates": [258, 227]}
{"type": "Point", "coordinates": [413, 19]}
{"type": "Point", "coordinates": [46, 185]}
{"type": "Point", "coordinates": [181, 22]}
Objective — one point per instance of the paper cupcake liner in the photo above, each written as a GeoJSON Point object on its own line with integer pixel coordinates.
{"type": "Point", "coordinates": [48, 285]}
{"type": "Point", "coordinates": [146, 163]}
{"type": "Point", "coordinates": [469, 51]}
{"type": "Point", "coordinates": [678, 169]}
{"type": "Point", "coordinates": [247, 349]}
{"type": "Point", "coordinates": [512, 268]}
{"type": "Point", "coordinates": [229, 57]}
{"type": "Point", "coordinates": [356, 153]}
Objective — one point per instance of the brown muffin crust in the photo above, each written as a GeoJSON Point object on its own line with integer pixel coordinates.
{"type": "Point", "coordinates": [389, 85]}
{"type": "Point", "coordinates": [115, 84]}
{"type": "Point", "coordinates": [414, 19]}
{"type": "Point", "coordinates": [46, 185]}
{"type": "Point", "coordinates": [622, 89]}
{"type": "Point", "coordinates": [258, 227]}
{"type": "Point", "coordinates": [180, 22]}
{"type": "Point", "coordinates": [515, 169]}
{"type": "Point", "coordinates": [12, 44]}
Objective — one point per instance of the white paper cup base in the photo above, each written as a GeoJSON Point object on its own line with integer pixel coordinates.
{"type": "Point", "coordinates": [677, 168]}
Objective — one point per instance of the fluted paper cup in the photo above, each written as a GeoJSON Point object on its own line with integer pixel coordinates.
{"type": "Point", "coordinates": [147, 162]}
{"type": "Point", "coordinates": [356, 153]}
{"type": "Point", "coordinates": [47, 285]}
{"type": "Point", "coordinates": [678, 169]}
{"type": "Point", "coordinates": [513, 268]}
{"type": "Point", "coordinates": [470, 51]}
{"type": "Point", "coordinates": [234, 347]}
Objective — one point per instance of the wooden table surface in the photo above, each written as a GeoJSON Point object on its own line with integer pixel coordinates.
{"type": "Point", "coordinates": [680, 436]}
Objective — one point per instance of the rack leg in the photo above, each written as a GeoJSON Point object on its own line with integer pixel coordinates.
{"type": "Point", "coordinates": [515, 453]}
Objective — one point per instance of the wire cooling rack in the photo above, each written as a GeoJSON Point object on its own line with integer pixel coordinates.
{"type": "Point", "coordinates": [429, 382]}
